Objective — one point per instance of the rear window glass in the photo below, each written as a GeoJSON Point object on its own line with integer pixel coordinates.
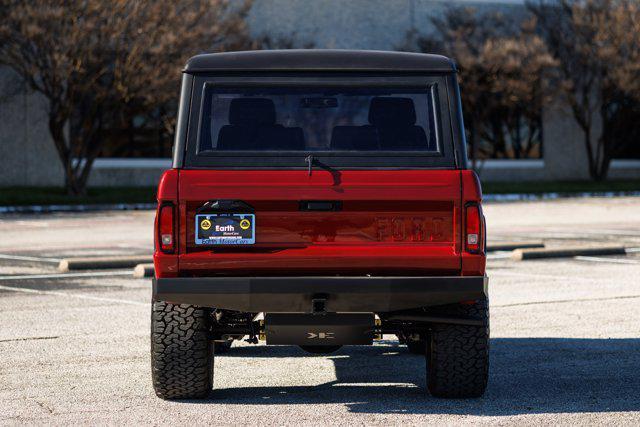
{"type": "Point", "coordinates": [319, 120]}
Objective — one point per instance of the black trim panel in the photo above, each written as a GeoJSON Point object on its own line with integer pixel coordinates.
{"type": "Point", "coordinates": [343, 294]}
{"type": "Point", "coordinates": [182, 124]}
{"type": "Point", "coordinates": [282, 160]}
{"type": "Point", "coordinates": [319, 60]}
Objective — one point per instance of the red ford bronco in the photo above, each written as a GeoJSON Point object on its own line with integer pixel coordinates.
{"type": "Point", "coordinates": [319, 198]}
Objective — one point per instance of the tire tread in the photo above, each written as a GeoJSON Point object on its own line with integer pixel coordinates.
{"type": "Point", "coordinates": [181, 353]}
{"type": "Point", "coordinates": [458, 360]}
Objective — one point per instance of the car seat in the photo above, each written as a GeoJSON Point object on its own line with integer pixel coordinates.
{"type": "Point", "coordinates": [394, 119]}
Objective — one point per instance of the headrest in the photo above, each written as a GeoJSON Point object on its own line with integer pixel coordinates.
{"type": "Point", "coordinates": [386, 112]}
{"type": "Point", "coordinates": [252, 111]}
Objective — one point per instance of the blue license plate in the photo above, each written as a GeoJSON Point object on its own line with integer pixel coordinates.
{"type": "Point", "coordinates": [225, 229]}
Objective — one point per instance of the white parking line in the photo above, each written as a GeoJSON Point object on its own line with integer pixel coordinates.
{"type": "Point", "coordinates": [68, 275]}
{"type": "Point", "coordinates": [66, 247]}
{"type": "Point", "coordinates": [608, 260]}
{"type": "Point", "coordinates": [564, 301]}
{"type": "Point", "coordinates": [29, 258]}
{"type": "Point", "coordinates": [129, 246]}
{"type": "Point", "coordinates": [70, 295]}
{"type": "Point", "coordinates": [499, 255]}
{"type": "Point", "coordinates": [616, 232]}
{"type": "Point", "coordinates": [541, 276]}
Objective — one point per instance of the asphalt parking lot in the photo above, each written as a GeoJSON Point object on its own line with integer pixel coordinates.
{"type": "Point", "coordinates": [565, 335]}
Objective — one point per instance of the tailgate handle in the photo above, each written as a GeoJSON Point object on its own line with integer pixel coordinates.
{"type": "Point", "coordinates": [225, 205]}
{"type": "Point", "coordinates": [320, 205]}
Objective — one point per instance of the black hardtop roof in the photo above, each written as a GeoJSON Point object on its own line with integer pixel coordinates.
{"type": "Point", "coordinates": [319, 60]}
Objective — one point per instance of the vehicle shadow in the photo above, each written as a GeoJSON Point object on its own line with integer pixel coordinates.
{"type": "Point", "coordinates": [528, 375]}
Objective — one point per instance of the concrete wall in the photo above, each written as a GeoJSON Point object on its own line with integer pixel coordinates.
{"type": "Point", "coordinates": [127, 172]}
{"type": "Point", "coordinates": [27, 152]}
{"type": "Point", "coordinates": [566, 158]}
{"type": "Point", "coordinates": [511, 170]}
{"type": "Point", "coordinates": [357, 24]}
{"type": "Point", "coordinates": [29, 157]}
{"type": "Point", "coordinates": [565, 153]}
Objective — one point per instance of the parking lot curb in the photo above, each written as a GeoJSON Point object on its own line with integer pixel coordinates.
{"type": "Point", "coordinates": [519, 197]}
{"type": "Point", "coordinates": [526, 254]}
{"type": "Point", "coordinates": [39, 209]}
{"type": "Point", "coordinates": [509, 246]}
{"type": "Point", "coordinates": [143, 270]}
{"type": "Point", "coordinates": [106, 262]}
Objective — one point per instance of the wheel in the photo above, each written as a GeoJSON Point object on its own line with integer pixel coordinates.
{"type": "Point", "coordinates": [320, 349]}
{"type": "Point", "coordinates": [458, 356]}
{"type": "Point", "coordinates": [181, 351]}
{"type": "Point", "coordinates": [417, 347]}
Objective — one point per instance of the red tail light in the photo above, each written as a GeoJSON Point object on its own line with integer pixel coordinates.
{"type": "Point", "coordinates": [474, 238]}
{"type": "Point", "coordinates": [166, 232]}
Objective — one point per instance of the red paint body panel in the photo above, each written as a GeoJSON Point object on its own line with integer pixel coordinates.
{"type": "Point", "coordinates": [400, 222]}
{"type": "Point", "coordinates": [473, 264]}
{"type": "Point", "coordinates": [166, 265]}
{"type": "Point", "coordinates": [354, 260]}
{"type": "Point", "coordinates": [168, 186]}
{"type": "Point", "coordinates": [391, 222]}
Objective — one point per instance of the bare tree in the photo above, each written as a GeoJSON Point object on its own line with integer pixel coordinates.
{"type": "Point", "coordinates": [502, 67]}
{"type": "Point", "coordinates": [597, 47]}
{"type": "Point", "coordinates": [92, 59]}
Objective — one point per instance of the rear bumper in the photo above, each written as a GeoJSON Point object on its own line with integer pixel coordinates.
{"type": "Point", "coordinates": [341, 294]}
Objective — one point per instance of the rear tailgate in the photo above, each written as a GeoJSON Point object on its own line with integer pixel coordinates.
{"type": "Point", "coordinates": [396, 222]}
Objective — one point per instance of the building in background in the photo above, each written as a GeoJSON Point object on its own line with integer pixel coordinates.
{"type": "Point", "coordinates": [137, 151]}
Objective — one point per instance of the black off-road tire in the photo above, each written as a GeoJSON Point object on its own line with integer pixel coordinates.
{"type": "Point", "coordinates": [417, 347]}
{"type": "Point", "coordinates": [458, 357]}
{"type": "Point", "coordinates": [181, 351]}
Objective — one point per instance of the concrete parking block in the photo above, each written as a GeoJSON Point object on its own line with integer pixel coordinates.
{"type": "Point", "coordinates": [97, 263]}
{"type": "Point", "coordinates": [509, 246]}
{"type": "Point", "coordinates": [143, 270]}
{"type": "Point", "coordinates": [525, 254]}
